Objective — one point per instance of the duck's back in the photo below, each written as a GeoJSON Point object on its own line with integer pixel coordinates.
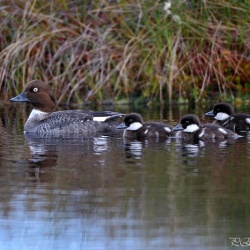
{"type": "Point", "coordinates": [213, 131]}
{"type": "Point", "coordinates": [237, 122]}
{"type": "Point", "coordinates": [68, 122]}
{"type": "Point", "coordinates": [154, 130]}
{"type": "Point", "coordinates": [207, 132]}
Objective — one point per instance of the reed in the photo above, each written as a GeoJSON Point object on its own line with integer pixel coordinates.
{"type": "Point", "coordinates": [94, 51]}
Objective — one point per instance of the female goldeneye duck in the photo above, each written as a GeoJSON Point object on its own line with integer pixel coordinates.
{"type": "Point", "coordinates": [43, 119]}
{"type": "Point", "coordinates": [190, 128]}
{"type": "Point", "coordinates": [224, 115]}
{"type": "Point", "coordinates": [135, 128]}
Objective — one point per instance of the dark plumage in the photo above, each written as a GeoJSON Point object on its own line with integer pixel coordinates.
{"type": "Point", "coordinates": [224, 115]}
{"type": "Point", "coordinates": [137, 129]}
{"type": "Point", "coordinates": [191, 129]}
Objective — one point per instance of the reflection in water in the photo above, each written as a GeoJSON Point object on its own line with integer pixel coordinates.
{"type": "Point", "coordinates": [133, 149]}
{"type": "Point", "coordinates": [110, 193]}
{"type": "Point", "coordinates": [40, 164]}
{"type": "Point", "coordinates": [100, 144]}
{"type": "Point", "coordinates": [46, 151]}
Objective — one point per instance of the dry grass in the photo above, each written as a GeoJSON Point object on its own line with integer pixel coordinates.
{"type": "Point", "coordinates": [126, 49]}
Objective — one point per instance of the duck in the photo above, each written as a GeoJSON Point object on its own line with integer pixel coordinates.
{"type": "Point", "coordinates": [225, 116]}
{"type": "Point", "coordinates": [190, 129]}
{"type": "Point", "coordinates": [43, 119]}
{"type": "Point", "coordinates": [136, 128]}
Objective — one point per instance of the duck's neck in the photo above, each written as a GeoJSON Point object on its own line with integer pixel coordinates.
{"type": "Point", "coordinates": [35, 117]}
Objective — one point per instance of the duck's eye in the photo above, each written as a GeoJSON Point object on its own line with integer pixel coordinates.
{"type": "Point", "coordinates": [35, 90]}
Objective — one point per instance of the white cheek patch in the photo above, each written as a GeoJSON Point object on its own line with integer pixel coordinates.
{"type": "Point", "coordinates": [223, 131]}
{"type": "Point", "coordinates": [191, 128]}
{"type": "Point", "coordinates": [134, 126]}
{"type": "Point", "coordinates": [221, 116]}
{"type": "Point", "coordinates": [156, 134]}
{"type": "Point", "coordinates": [248, 121]}
{"type": "Point", "coordinates": [167, 129]}
{"type": "Point", "coordinates": [146, 131]}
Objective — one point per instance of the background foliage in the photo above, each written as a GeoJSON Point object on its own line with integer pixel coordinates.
{"type": "Point", "coordinates": [116, 50]}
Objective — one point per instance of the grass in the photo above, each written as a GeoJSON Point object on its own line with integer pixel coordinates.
{"type": "Point", "coordinates": [116, 50]}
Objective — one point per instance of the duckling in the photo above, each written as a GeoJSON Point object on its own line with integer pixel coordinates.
{"type": "Point", "coordinates": [191, 129]}
{"type": "Point", "coordinates": [224, 115]}
{"type": "Point", "coordinates": [136, 128]}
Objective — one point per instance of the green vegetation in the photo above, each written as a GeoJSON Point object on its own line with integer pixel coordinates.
{"type": "Point", "coordinates": [124, 49]}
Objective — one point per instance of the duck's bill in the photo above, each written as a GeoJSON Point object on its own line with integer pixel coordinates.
{"type": "Point", "coordinates": [210, 113]}
{"type": "Point", "coordinates": [121, 126]}
{"type": "Point", "coordinates": [178, 128]}
{"type": "Point", "coordinates": [20, 98]}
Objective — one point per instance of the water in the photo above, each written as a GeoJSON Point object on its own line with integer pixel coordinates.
{"type": "Point", "coordinates": [108, 193]}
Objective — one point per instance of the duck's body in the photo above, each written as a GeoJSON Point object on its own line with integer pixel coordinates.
{"type": "Point", "coordinates": [136, 129]}
{"type": "Point", "coordinates": [224, 116]}
{"type": "Point", "coordinates": [65, 122]}
{"type": "Point", "coordinates": [190, 129]}
{"type": "Point", "coordinates": [43, 119]}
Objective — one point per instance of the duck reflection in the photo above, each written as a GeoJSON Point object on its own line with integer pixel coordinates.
{"type": "Point", "coordinates": [46, 151]}
{"type": "Point", "coordinates": [194, 156]}
{"type": "Point", "coordinates": [133, 149]}
{"type": "Point", "coordinates": [43, 158]}
{"type": "Point", "coordinates": [193, 147]}
{"type": "Point", "coordinates": [100, 144]}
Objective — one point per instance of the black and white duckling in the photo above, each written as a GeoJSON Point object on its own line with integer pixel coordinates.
{"type": "Point", "coordinates": [224, 115]}
{"type": "Point", "coordinates": [191, 129]}
{"type": "Point", "coordinates": [136, 129]}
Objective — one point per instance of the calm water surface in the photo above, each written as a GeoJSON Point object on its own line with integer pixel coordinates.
{"type": "Point", "coordinates": [108, 193]}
